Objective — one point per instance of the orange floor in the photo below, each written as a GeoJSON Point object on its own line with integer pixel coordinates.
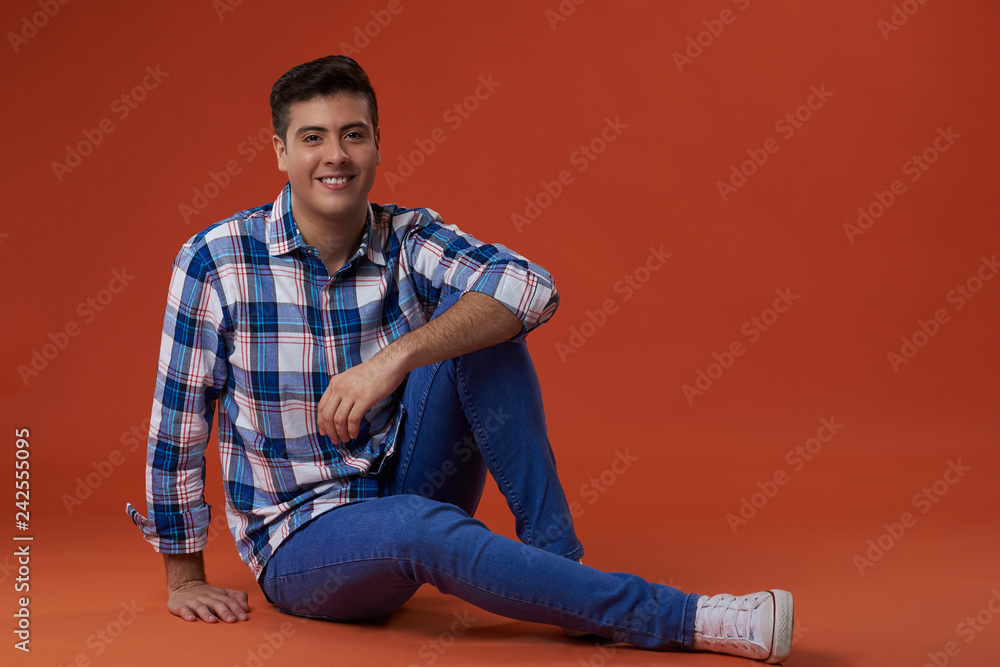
{"type": "Point", "coordinates": [98, 596]}
{"type": "Point", "coordinates": [843, 447]}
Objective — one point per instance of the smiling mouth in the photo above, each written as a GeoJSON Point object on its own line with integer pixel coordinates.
{"type": "Point", "coordinates": [338, 180]}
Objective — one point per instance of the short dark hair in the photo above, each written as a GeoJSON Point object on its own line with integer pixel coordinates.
{"type": "Point", "coordinates": [319, 78]}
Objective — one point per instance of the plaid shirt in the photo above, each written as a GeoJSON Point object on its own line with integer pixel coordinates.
{"type": "Point", "coordinates": [254, 329]}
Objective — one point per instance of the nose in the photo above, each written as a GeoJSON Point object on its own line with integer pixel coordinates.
{"type": "Point", "coordinates": [335, 153]}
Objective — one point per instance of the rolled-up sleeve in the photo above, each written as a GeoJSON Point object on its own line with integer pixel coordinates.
{"type": "Point", "coordinates": [191, 373]}
{"type": "Point", "coordinates": [442, 260]}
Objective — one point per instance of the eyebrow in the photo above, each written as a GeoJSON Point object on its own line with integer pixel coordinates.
{"type": "Point", "coordinates": [320, 128]}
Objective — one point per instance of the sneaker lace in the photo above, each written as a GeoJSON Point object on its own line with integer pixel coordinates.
{"type": "Point", "coordinates": [729, 617]}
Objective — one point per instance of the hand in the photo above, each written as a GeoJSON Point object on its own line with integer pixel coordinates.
{"type": "Point", "coordinates": [198, 600]}
{"type": "Point", "coordinates": [354, 392]}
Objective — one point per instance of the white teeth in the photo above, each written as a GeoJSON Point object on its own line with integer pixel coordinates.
{"type": "Point", "coordinates": [335, 181]}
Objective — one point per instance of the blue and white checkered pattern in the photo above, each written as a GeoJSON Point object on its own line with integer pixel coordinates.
{"type": "Point", "coordinates": [255, 327]}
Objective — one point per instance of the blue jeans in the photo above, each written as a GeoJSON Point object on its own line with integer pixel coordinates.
{"type": "Point", "coordinates": [481, 412]}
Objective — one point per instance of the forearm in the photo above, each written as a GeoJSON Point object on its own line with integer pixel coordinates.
{"type": "Point", "coordinates": [475, 321]}
{"type": "Point", "coordinates": [184, 568]}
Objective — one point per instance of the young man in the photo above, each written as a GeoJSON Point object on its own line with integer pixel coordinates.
{"type": "Point", "coordinates": [367, 367]}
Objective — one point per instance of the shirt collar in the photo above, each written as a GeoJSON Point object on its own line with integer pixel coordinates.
{"type": "Point", "coordinates": [283, 234]}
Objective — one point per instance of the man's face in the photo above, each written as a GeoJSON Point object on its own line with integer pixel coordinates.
{"type": "Point", "coordinates": [330, 154]}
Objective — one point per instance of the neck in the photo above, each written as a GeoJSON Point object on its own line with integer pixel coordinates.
{"type": "Point", "coordinates": [335, 240]}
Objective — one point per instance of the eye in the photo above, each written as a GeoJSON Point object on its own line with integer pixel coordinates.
{"type": "Point", "coordinates": [354, 134]}
{"type": "Point", "coordinates": [311, 138]}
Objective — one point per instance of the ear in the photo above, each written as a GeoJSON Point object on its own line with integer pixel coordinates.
{"type": "Point", "coordinates": [378, 145]}
{"type": "Point", "coordinates": [279, 151]}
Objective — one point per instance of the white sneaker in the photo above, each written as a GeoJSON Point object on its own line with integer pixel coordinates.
{"type": "Point", "coordinates": [757, 626]}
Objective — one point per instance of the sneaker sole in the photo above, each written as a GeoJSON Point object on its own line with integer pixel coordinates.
{"type": "Point", "coordinates": [784, 621]}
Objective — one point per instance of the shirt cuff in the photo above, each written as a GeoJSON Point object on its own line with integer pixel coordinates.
{"type": "Point", "coordinates": [184, 532]}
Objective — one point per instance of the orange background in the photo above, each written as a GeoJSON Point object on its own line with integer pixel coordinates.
{"type": "Point", "coordinates": [620, 390]}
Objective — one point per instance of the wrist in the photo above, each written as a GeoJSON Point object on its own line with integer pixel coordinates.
{"type": "Point", "coordinates": [190, 583]}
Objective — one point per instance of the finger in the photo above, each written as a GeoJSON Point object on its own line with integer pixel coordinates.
{"type": "Point", "coordinates": [227, 609]}
{"type": "Point", "coordinates": [241, 597]}
{"type": "Point", "coordinates": [340, 420]}
{"type": "Point", "coordinates": [327, 416]}
{"type": "Point", "coordinates": [319, 414]}
{"type": "Point", "coordinates": [321, 409]}
{"type": "Point", "coordinates": [185, 613]}
{"type": "Point", "coordinates": [354, 421]}
{"type": "Point", "coordinates": [204, 613]}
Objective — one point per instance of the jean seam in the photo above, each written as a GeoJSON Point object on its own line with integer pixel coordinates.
{"type": "Point", "coordinates": [415, 419]}
{"type": "Point", "coordinates": [541, 605]}
{"type": "Point", "coordinates": [498, 474]}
